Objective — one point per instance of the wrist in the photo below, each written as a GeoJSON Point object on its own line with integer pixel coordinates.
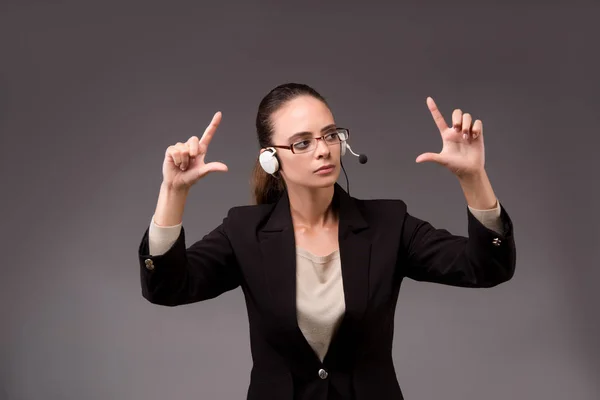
{"type": "Point", "coordinates": [170, 206]}
{"type": "Point", "coordinates": [478, 190]}
{"type": "Point", "coordinates": [472, 178]}
{"type": "Point", "coordinates": [172, 189]}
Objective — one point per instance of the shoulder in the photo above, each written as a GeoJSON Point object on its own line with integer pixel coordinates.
{"type": "Point", "coordinates": [249, 214]}
{"type": "Point", "coordinates": [381, 208]}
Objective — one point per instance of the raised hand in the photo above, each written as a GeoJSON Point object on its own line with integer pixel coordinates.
{"type": "Point", "coordinates": [462, 144]}
{"type": "Point", "coordinates": [184, 163]}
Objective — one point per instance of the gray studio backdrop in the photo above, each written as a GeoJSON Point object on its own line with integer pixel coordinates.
{"type": "Point", "coordinates": [92, 93]}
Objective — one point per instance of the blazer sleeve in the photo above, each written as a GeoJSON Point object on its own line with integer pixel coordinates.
{"type": "Point", "coordinates": [183, 275]}
{"type": "Point", "coordinates": [483, 259]}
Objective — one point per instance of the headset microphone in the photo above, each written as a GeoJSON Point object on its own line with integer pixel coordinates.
{"type": "Point", "coordinates": [362, 158]}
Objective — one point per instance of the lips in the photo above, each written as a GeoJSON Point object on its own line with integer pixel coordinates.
{"type": "Point", "coordinates": [328, 166]}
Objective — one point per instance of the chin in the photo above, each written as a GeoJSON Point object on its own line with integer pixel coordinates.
{"type": "Point", "coordinates": [323, 184]}
{"type": "Point", "coordinates": [324, 181]}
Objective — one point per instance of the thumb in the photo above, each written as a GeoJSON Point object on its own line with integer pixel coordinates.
{"type": "Point", "coordinates": [435, 157]}
{"type": "Point", "coordinates": [215, 167]}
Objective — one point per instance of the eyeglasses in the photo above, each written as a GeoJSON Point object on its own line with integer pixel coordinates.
{"type": "Point", "coordinates": [306, 145]}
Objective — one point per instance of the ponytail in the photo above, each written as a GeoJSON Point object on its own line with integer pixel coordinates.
{"type": "Point", "coordinates": [266, 188]}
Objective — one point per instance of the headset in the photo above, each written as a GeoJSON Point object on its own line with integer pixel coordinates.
{"type": "Point", "coordinates": [270, 164]}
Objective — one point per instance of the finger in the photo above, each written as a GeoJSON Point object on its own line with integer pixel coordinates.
{"type": "Point", "coordinates": [184, 153]}
{"type": "Point", "coordinates": [435, 157]}
{"type": "Point", "coordinates": [437, 115]}
{"type": "Point", "coordinates": [193, 146]}
{"type": "Point", "coordinates": [210, 130]}
{"type": "Point", "coordinates": [457, 119]}
{"type": "Point", "coordinates": [216, 166]}
{"type": "Point", "coordinates": [212, 167]}
{"type": "Point", "coordinates": [173, 152]}
{"type": "Point", "coordinates": [467, 120]}
{"type": "Point", "coordinates": [477, 129]}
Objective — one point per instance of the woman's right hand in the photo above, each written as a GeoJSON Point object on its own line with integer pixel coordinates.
{"type": "Point", "coordinates": [184, 162]}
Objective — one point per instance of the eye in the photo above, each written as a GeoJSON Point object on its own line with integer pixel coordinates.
{"type": "Point", "coordinates": [332, 137]}
{"type": "Point", "coordinates": [342, 134]}
{"type": "Point", "coordinates": [302, 145]}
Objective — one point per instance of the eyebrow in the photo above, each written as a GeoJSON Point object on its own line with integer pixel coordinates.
{"type": "Point", "coordinates": [306, 133]}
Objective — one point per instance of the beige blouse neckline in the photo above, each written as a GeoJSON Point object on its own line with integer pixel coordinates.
{"type": "Point", "coordinates": [316, 258]}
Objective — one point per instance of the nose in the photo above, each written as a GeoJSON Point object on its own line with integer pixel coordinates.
{"type": "Point", "coordinates": [322, 149]}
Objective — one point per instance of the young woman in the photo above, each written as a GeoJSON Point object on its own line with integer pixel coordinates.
{"type": "Point", "coordinates": [320, 270]}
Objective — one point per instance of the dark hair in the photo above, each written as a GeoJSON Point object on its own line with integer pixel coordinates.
{"type": "Point", "coordinates": [267, 188]}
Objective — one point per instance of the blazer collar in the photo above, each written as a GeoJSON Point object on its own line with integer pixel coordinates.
{"type": "Point", "coordinates": [350, 215]}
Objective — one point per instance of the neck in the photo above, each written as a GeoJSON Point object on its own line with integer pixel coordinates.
{"type": "Point", "coordinates": [311, 207]}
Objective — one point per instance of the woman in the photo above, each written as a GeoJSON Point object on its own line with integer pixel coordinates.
{"type": "Point", "coordinates": [320, 270]}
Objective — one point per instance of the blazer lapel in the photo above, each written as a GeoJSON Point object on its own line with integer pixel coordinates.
{"type": "Point", "coordinates": [355, 255]}
{"type": "Point", "coordinates": [278, 248]}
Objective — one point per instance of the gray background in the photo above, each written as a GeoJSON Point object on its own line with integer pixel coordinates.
{"type": "Point", "coordinates": [92, 93]}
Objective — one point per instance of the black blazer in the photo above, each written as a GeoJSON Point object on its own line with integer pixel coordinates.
{"type": "Point", "coordinates": [379, 243]}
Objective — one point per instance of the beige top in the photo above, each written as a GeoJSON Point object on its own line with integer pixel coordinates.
{"type": "Point", "coordinates": [319, 297]}
{"type": "Point", "coordinates": [319, 288]}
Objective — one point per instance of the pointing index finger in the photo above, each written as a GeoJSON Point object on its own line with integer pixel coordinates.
{"type": "Point", "coordinates": [210, 129]}
{"type": "Point", "coordinates": [437, 115]}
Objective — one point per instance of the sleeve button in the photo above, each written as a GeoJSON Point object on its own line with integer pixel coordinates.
{"type": "Point", "coordinates": [149, 264]}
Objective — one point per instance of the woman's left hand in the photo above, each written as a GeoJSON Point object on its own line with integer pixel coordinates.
{"type": "Point", "coordinates": [462, 151]}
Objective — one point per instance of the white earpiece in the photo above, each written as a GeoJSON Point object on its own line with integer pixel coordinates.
{"type": "Point", "coordinates": [268, 160]}
{"type": "Point", "coordinates": [343, 150]}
